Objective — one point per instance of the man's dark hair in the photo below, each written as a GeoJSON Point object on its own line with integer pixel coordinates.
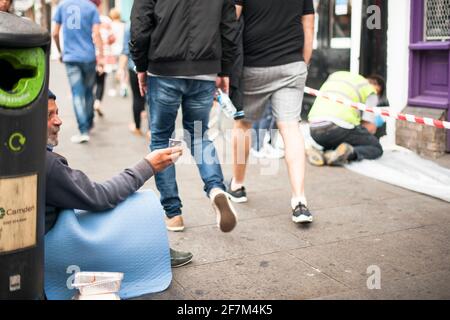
{"type": "Point", "coordinates": [51, 95]}
{"type": "Point", "coordinates": [379, 80]}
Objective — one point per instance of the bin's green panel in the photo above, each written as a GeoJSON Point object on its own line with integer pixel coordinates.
{"type": "Point", "coordinates": [27, 89]}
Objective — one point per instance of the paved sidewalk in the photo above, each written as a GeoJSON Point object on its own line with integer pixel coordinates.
{"type": "Point", "coordinates": [359, 223]}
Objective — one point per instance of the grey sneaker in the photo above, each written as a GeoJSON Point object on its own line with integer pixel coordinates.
{"type": "Point", "coordinates": [179, 258]}
{"type": "Point", "coordinates": [237, 196]}
{"type": "Point", "coordinates": [301, 214]}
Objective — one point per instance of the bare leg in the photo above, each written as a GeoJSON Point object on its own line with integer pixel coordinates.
{"type": "Point", "coordinates": [295, 156]}
{"type": "Point", "coordinates": [241, 148]}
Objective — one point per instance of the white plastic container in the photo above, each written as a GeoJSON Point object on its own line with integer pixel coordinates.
{"type": "Point", "coordinates": [97, 283]}
{"type": "Point", "coordinates": [107, 296]}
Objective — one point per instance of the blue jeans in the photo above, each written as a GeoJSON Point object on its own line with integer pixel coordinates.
{"type": "Point", "coordinates": [165, 96]}
{"type": "Point", "coordinates": [266, 124]}
{"type": "Point", "coordinates": [82, 79]}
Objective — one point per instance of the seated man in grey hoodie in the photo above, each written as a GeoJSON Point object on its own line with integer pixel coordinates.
{"type": "Point", "coordinates": [67, 188]}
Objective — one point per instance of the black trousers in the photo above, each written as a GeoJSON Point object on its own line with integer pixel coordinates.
{"type": "Point", "coordinates": [138, 101]}
{"type": "Point", "coordinates": [365, 145]}
{"type": "Point", "coordinates": [100, 85]}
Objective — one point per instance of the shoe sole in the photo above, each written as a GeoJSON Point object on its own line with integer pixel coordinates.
{"type": "Point", "coordinates": [175, 229]}
{"type": "Point", "coordinates": [316, 162]}
{"type": "Point", "coordinates": [301, 220]}
{"type": "Point", "coordinates": [80, 142]}
{"type": "Point", "coordinates": [227, 220]}
{"type": "Point", "coordinates": [183, 264]}
{"type": "Point", "coordinates": [237, 200]}
{"type": "Point", "coordinates": [315, 157]}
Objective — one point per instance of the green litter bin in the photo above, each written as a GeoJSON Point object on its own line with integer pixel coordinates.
{"type": "Point", "coordinates": [24, 56]}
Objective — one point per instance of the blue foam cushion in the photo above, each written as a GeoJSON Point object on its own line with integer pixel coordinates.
{"type": "Point", "coordinates": [131, 238]}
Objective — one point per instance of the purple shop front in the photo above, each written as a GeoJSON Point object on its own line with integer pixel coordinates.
{"type": "Point", "coordinates": [429, 83]}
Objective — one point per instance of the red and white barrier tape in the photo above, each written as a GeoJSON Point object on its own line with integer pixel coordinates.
{"type": "Point", "coordinates": [379, 111]}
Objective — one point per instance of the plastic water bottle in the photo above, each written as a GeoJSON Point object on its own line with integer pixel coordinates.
{"type": "Point", "coordinates": [225, 103]}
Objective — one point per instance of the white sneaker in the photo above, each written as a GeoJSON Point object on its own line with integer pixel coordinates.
{"type": "Point", "coordinates": [80, 138]}
{"type": "Point", "coordinates": [112, 92]}
{"type": "Point", "coordinates": [225, 213]}
{"type": "Point", "coordinates": [272, 153]}
{"type": "Point", "coordinates": [257, 154]}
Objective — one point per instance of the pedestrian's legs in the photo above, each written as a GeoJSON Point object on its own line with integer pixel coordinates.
{"type": "Point", "coordinates": [261, 128]}
{"type": "Point", "coordinates": [89, 83]}
{"type": "Point", "coordinates": [257, 136]}
{"type": "Point", "coordinates": [164, 98]}
{"type": "Point", "coordinates": [138, 100]}
{"type": "Point", "coordinates": [75, 75]}
{"type": "Point", "coordinates": [286, 106]}
{"type": "Point", "coordinates": [295, 156]}
{"type": "Point", "coordinates": [196, 105]}
{"type": "Point", "coordinates": [99, 85]}
{"type": "Point", "coordinates": [241, 148]}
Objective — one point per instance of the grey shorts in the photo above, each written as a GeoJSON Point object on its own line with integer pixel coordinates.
{"type": "Point", "coordinates": [282, 86]}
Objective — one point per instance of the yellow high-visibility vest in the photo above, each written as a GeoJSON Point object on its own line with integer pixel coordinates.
{"type": "Point", "coordinates": [342, 84]}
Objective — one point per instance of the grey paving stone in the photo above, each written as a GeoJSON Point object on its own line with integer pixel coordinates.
{"type": "Point", "coordinates": [431, 286]}
{"type": "Point", "coordinates": [271, 276]}
{"type": "Point", "coordinates": [252, 237]}
{"type": "Point", "coordinates": [420, 208]}
{"type": "Point", "coordinates": [399, 255]}
{"type": "Point", "coordinates": [174, 292]}
{"type": "Point", "coordinates": [347, 222]}
{"type": "Point", "coordinates": [349, 262]}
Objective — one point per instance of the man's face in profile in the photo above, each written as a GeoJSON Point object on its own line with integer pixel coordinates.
{"type": "Point", "coordinates": [53, 123]}
{"type": "Point", "coordinates": [5, 5]}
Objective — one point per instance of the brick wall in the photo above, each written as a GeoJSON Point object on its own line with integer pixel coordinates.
{"type": "Point", "coordinates": [424, 140]}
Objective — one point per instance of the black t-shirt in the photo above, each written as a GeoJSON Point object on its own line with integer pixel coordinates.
{"type": "Point", "coordinates": [273, 33]}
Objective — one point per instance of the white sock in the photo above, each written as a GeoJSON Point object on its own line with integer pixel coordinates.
{"type": "Point", "coordinates": [296, 200]}
{"type": "Point", "coordinates": [235, 186]}
{"type": "Point", "coordinates": [214, 192]}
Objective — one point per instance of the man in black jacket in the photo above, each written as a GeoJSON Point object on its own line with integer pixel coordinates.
{"type": "Point", "coordinates": [67, 188]}
{"type": "Point", "coordinates": [182, 50]}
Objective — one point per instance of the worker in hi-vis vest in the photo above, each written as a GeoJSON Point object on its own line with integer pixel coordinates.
{"type": "Point", "coordinates": [346, 134]}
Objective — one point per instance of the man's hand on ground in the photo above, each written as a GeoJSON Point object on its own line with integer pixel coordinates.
{"type": "Point", "coordinates": [142, 78]}
{"type": "Point", "coordinates": [163, 158]}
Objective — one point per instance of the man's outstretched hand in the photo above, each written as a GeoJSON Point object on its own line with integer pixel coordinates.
{"type": "Point", "coordinates": [163, 158]}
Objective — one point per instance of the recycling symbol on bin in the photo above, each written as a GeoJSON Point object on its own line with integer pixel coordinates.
{"type": "Point", "coordinates": [16, 142]}
{"type": "Point", "coordinates": [2, 213]}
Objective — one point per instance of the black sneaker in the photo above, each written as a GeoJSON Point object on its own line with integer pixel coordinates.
{"type": "Point", "coordinates": [237, 196]}
{"type": "Point", "coordinates": [301, 214]}
{"type": "Point", "coordinates": [179, 258]}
